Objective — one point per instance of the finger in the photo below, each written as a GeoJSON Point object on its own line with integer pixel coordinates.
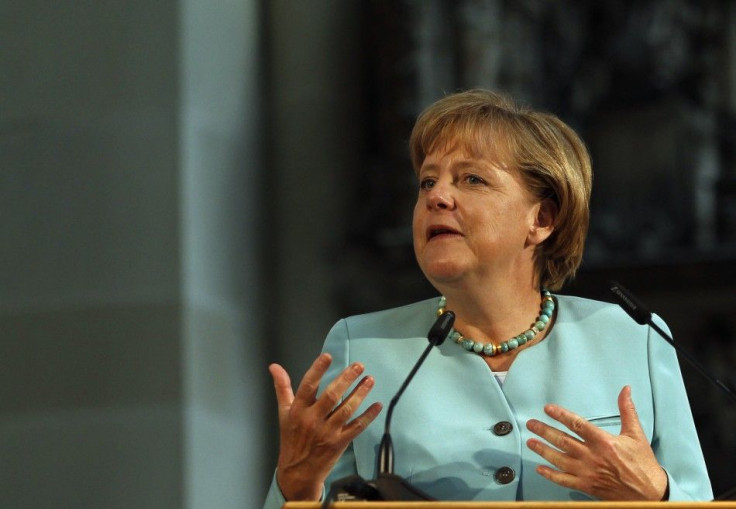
{"type": "Point", "coordinates": [307, 390]}
{"type": "Point", "coordinates": [575, 423]}
{"type": "Point", "coordinates": [562, 478]}
{"type": "Point", "coordinates": [561, 440]}
{"type": "Point", "coordinates": [360, 423]}
{"type": "Point", "coordinates": [554, 456]}
{"type": "Point", "coordinates": [630, 424]}
{"type": "Point", "coordinates": [347, 407]}
{"type": "Point", "coordinates": [282, 386]}
{"type": "Point", "coordinates": [334, 392]}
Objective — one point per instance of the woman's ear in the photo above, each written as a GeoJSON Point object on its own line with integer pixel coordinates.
{"type": "Point", "coordinates": [544, 222]}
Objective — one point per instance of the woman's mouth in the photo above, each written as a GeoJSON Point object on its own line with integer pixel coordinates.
{"type": "Point", "coordinates": [441, 232]}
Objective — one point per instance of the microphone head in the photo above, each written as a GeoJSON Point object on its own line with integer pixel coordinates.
{"type": "Point", "coordinates": [631, 304]}
{"type": "Point", "coordinates": [441, 328]}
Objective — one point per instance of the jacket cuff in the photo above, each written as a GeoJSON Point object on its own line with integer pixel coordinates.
{"type": "Point", "coordinates": [275, 498]}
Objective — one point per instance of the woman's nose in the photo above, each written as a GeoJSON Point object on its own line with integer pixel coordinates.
{"type": "Point", "coordinates": [440, 197]}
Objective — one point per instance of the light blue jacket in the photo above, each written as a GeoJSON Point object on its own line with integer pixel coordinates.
{"type": "Point", "coordinates": [443, 426]}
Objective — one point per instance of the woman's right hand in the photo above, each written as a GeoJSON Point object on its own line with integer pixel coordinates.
{"type": "Point", "coordinates": [314, 431]}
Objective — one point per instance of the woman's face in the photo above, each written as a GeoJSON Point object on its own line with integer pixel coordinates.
{"type": "Point", "coordinates": [474, 220]}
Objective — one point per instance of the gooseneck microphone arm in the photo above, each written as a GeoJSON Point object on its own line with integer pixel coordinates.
{"type": "Point", "coordinates": [436, 337]}
{"type": "Point", "coordinates": [386, 485]}
{"type": "Point", "coordinates": [643, 316]}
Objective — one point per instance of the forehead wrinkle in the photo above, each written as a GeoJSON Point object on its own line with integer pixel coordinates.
{"type": "Point", "coordinates": [462, 161]}
{"type": "Point", "coordinates": [483, 143]}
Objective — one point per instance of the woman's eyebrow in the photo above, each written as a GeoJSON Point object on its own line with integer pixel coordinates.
{"type": "Point", "coordinates": [462, 164]}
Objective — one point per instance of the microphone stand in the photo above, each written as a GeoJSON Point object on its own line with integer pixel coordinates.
{"type": "Point", "coordinates": [643, 316]}
{"type": "Point", "coordinates": [388, 486]}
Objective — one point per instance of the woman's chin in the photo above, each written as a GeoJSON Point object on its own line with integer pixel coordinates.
{"type": "Point", "coordinates": [443, 272]}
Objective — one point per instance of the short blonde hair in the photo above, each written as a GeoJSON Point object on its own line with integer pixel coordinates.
{"type": "Point", "coordinates": [550, 157]}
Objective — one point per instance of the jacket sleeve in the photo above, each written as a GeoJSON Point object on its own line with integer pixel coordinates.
{"type": "Point", "coordinates": [337, 345]}
{"type": "Point", "coordinates": [675, 440]}
{"type": "Point", "coordinates": [274, 498]}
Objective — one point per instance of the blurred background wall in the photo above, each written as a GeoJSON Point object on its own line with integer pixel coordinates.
{"type": "Point", "coordinates": [191, 190]}
{"type": "Point", "coordinates": [131, 159]}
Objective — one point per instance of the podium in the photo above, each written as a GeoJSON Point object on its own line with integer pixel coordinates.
{"type": "Point", "coordinates": [514, 505]}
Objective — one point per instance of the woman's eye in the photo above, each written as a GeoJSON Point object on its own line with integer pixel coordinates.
{"type": "Point", "coordinates": [474, 180]}
{"type": "Point", "coordinates": [426, 184]}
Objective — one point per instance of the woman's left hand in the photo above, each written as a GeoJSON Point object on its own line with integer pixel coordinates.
{"type": "Point", "coordinates": [606, 466]}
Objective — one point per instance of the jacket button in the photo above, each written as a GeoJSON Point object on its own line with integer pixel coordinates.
{"type": "Point", "coordinates": [502, 428]}
{"type": "Point", "coordinates": [505, 475]}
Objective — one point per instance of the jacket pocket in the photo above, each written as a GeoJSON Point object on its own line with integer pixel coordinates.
{"type": "Point", "coordinates": [607, 422]}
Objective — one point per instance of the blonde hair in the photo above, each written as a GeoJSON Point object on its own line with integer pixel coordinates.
{"type": "Point", "coordinates": [550, 157]}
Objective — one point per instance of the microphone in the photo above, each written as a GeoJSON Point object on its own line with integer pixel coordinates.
{"type": "Point", "coordinates": [631, 304]}
{"type": "Point", "coordinates": [388, 486]}
{"type": "Point", "coordinates": [643, 316]}
{"type": "Point", "coordinates": [436, 337]}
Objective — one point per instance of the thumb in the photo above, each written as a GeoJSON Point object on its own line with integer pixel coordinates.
{"type": "Point", "coordinates": [282, 386]}
{"type": "Point", "coordinates": [630, 424]}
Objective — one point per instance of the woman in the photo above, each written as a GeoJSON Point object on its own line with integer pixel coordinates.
{"type": "Point", "coordinates": [534, 396]}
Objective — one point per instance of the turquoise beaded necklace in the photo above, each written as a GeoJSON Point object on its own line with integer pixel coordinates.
{"type": "Point", "coordinates": [546, 310]}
